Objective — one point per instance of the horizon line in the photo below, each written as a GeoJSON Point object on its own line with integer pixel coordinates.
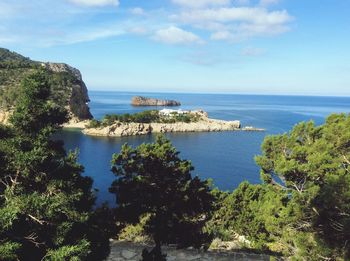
{"type": "Point", "coordinates": [227, 93]}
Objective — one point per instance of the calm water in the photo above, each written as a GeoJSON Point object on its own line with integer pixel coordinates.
{"type": "Point", "coordinates": [226, 157]}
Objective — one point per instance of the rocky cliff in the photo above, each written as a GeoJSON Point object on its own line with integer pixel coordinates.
{"type": "Point", "coordinates": [77, 97]}
{"type": "Point", "coordinates": [67, 86]}
{"type": "Point", "coordinates": [144, 101]}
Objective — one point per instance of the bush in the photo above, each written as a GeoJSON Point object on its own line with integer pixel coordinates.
{"type": "Point", "coordinates": [94, 124]}
{"type": "Point", "coordinates": [150, 116]}
{"type": "Point", "coordinates": [152, 180]}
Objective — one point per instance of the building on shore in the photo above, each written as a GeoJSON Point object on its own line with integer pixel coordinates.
{"type": "Point", "coordinates": [170, 112]}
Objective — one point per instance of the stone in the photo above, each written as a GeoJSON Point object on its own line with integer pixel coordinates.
{"type": "Point", "coordinates": [144, 101]}
{"type": "Point", "coordinates": [170, 258]}
{"type": "Point", "coordinates": [204, 124]}
{"type": "Point", "coordinates": [127, 251]}
{"type": "Point", "coordinates": [195, 257]}
{"type": "Point", "coordinates": [128, 254]}
{"type": "Point", "coordinates": [73, 91]}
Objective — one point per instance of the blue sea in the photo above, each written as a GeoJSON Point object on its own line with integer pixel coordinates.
{"type": "Point", "coordinates": [225, 157]}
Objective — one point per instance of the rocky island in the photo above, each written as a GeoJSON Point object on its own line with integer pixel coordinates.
{"type": "Point", "coordinates": [164, 121]}
{"type": "Point", "coordinates": [144, 101]}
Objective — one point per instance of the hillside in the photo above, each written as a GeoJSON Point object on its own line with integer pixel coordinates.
{"type": "Point", "coordinates": [68, 88]}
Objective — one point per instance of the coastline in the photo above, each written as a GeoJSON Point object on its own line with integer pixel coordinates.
{"type": "Point", "coordinates": [120, 129]}
{"type": "Point", "coordinates": [76, 124]}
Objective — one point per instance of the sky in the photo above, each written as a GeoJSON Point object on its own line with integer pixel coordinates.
{"type": "Point", "coordinates": [299, 47]}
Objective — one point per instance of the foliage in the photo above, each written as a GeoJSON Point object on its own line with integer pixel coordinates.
{"type": "Point", "coordinates": [153, 180]}
{"type": "Point", "coordinates": [252, 211]}
{"type": "Point", "coordinates": [312, 164]}
{"type": "Point", "coordinates": [136, 232]}
{"type": "Point", "coordinates": [13, 60]}
{"type": "Point", "coordinates": [63, 84]}
{"type": "Point", "coordinates": [303, 208]}
{"type": "Point", "coordinates": [93, 124]}
{"type": "Point", "coordinates": [150, 116]}
{"type": "Point", "coordinates": [46, 205]}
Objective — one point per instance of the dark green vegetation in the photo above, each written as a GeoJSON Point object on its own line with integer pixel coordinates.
{"type": "Point", "coordinates": [144, 117]}
{"type": "Point", "coordinates": [66, 89]}
{"type": "Point", "coordinates": [302, 209]}
{"type": "Point", "coordinates": [153, 180]}
{"type": "Point", "coordinates": [46, 205]}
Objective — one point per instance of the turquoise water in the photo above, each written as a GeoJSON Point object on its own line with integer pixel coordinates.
{"type": "Point", "coordinates": [226, 157]}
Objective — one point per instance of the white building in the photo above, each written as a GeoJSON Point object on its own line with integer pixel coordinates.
{"type": "Point", "coordinates": [169, 112]}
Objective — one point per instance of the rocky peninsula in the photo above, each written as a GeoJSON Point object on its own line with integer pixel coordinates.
{"type": "Point", "coordinates": [144, 101]}
{"type": "Point", "coordinates": [202, 124]}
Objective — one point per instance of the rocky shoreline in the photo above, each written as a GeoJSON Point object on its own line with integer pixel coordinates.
{"type": "Point", "coordinates": [120, 129]}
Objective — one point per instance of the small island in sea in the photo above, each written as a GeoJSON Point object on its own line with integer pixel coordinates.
{"type": "Point", "coordinates": [163, 121]}
{"type": "Point", "coordinates": [145, 101]}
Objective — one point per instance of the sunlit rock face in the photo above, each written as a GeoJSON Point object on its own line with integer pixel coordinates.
{"type": "Point", "coordinates": [144, 101]}
{"type": "Point", "coordinates": [67, 86]}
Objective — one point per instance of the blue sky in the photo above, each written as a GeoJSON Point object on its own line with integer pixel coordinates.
{"type": "Point", "coordinates": [236, 46]}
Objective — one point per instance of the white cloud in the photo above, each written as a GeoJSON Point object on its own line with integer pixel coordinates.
{"type": "Point", "coordinates": [64, 23]}
{"type": "Point", "coordinates": [175, 35]}
{"type": "Point", "coordinates": [137, 11]}
{"type": "Point", "coordinates": [200, 3]}
{"type": "Point", "coordinates": [236, 23]}
{"type": "Point", "coordinates": [95, 2]}
{"type": "Point", "coordinates": [234, 14]}
{"type": "Point", "coordinates": [86, 35]}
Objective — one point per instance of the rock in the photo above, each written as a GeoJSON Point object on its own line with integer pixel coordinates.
{"type": "Point", "coordinates": [78, 98]}
{"type": "Point", "coordinates": [204, 124]}
{"type": "Point", "coordinates": [128, 254]}
{"type": "Point", "coordinates": [4, 116]}
{"type": "Point", "coordinates": [195, 257]}
{"type": "Point", "coordinates": [144, 101]}
{"type": "Point", "coordinates": [68, 88]}
{"type": "Point", "coordinates": [131, 251]}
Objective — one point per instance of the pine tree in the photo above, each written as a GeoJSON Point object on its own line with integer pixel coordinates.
{"type": "Point", "coordinates": [46, 205]}
{"type": "Point", "coordinates": [311, 164]}
{"type": "Point", "coordinates": [152, 179]}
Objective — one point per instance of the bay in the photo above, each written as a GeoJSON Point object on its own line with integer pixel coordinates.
{"type": "Point", "coordinates": [225, 157]}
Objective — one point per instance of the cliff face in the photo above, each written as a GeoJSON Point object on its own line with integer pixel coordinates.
{"type": "Point", "coordinates": [78, 97]}
{"type": "Point", "coordinates": [67, 86]}
{"type": "Point", "coordinates": [144, 101]}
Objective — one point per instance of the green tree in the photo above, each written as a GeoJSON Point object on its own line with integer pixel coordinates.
{"type": "Point", "coordinates": [46, 205]}
{"type": "Point", "coordinates": [302, 209]}
{"type": "Point", "coordinates": [152, 179]}
{"type": "Point", "coordinates": [254, 211]}
{"type": "Point", "coordinates": [311, 164]}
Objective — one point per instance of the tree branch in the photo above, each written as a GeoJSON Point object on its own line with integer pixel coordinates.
{"type": "Point", "coordinates": [41, 222]}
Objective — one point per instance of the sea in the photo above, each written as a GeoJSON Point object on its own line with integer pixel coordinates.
{"type": "Point", "coordinates": [225, 157]}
